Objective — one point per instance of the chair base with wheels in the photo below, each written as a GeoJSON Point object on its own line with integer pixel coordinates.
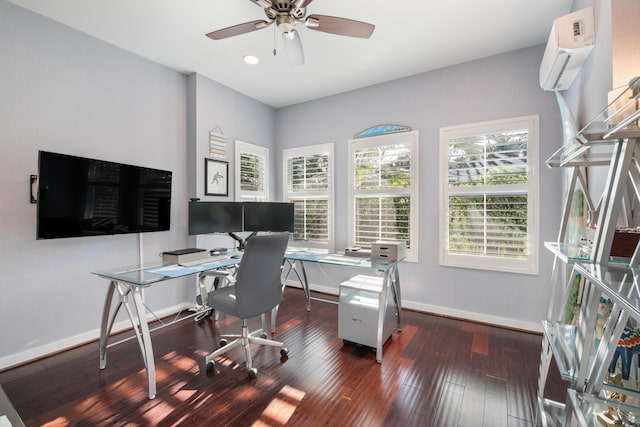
{"type": "Point", "coordinates": [245, 340]}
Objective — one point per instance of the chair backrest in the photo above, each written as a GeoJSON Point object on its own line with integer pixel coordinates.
{"type": "Point", "coordinates": [258, 286]}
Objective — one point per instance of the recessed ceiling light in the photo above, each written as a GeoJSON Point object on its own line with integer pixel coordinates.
{"type": "Point", "coordinates": [250, 59]}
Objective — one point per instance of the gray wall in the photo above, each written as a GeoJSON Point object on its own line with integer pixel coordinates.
{"type": "Point", "coordinates": [588, 95]}
{"type": "Point", "coordinates": [65, 92]}
{"type": "Point", "coordinates": [238, 117]}
{"type": "Point", "coordinates": [493, 88]}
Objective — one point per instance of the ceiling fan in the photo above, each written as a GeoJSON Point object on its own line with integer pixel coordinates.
{"type": "Point", "coordinates": [286, 14]}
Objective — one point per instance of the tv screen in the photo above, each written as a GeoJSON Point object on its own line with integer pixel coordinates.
{"type": "Point", "coordinates": [78, 196]}
{"type": "Point", "coordinates": [268, 216]}
{"type": "Point", "coordinates": [215, 217]}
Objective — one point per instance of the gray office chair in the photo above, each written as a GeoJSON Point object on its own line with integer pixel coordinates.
{"type": "Point", "coordinates": [255, 290]}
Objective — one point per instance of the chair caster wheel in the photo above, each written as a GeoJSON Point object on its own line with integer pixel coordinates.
{"type": "Point", "coordinates": [223, 342]}
{"type": "Point", "coordinates": [263, 335]}
{"type": "Point", "coordinates": [252, 374]}
{"type": "Point", "coordinates": [211, 365]}
{"type": "Point", "coordinates": [284, 352]}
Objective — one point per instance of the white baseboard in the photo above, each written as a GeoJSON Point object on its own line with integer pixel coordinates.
{"type": "Point", "coordinates": [475, 317]}
{"type": "Point", "coordinates": [444, 311]}
{"type": "Point", "coordinates": [67, 343]}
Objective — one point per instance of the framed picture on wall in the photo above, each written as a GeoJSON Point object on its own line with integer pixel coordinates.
{"type": "Point", "coordinates": [216, 177]}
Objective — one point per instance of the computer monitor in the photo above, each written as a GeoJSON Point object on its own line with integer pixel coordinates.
{"type": "Point", "coordinates": [215, 217]}
{"type": "Point", "coordinates": [268, 216]}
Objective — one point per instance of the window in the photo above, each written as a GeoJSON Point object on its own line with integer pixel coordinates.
{"type": "Point", "coordinates": [383, 178]}
{"type": "Point", "coordinates": [308, 178]}
{"type": "Point", "coordinates": [489, 195]}
{"type": "Point", "coordinates": [251, 172]}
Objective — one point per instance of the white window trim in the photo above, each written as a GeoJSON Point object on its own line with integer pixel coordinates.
{"type": "Point", "coordinates": [411, 137]}
{"type": "Point", "coordinates": [257, 150]}
{"type": "Point", "coordinates": [525, 266]}
{"type": "Point", "coordinates": [327, 148]}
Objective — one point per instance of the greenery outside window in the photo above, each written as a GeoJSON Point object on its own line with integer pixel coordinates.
{"type": "Point", "coordinates": [489, 195]}
{"type": "Point", "coordinates": [251, 172]}
{"type": "Point", "coordinates": [308, 178]}
{"type": "Point", "coordinates": [384, 184]}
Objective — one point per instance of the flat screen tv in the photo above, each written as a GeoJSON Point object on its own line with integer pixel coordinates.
{"type": "Point", "coordinates": [215, 217]}
{"type": "Point", "coordinates": [78, 196]}
{"type": "Point", "coordinates": [268, 216]}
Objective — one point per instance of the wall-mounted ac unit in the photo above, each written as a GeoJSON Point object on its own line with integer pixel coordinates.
{"type": "Point", "coordinates": [570, 42]}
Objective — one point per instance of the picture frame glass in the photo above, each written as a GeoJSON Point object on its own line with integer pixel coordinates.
{"type": "Point", "coordinates": [216, 177]}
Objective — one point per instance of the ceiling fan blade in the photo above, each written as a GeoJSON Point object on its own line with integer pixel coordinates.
{"type": "Point", "coordinates": [262, 3]}
{"type": "Point", "coordinates": [293, 47]}
{"type": "Point", "coordinates": [339, 26]}
{"type": "Point", "coordinates": [236, 30]}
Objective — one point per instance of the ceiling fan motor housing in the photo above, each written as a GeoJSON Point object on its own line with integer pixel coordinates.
{"type": "Point", "coordinates": [282, 8]}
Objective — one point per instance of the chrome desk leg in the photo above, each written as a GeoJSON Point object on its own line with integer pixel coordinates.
{"type": "Point", "coordinates": [274, 314]}
{"type": "Point", "coordinates": [305, 285]}
{"type": "Point", "coordinates": [141, 330]}
{"type": "Point", "coordinates": [105, 325]}
{"type": "Point", "coordinates": [204, 310]}
{"type": "Point", "coordinates": [202, 288]}
{"type": "Point", "coordinates": [145, 340]}
{"type": "Point", "coordinates": [395, 283]}
{"type": "Point", "coordinates": [303, 280]}
{"type": "Point", "coordinates": [391, 282]}
{"type": "Point", "coordinates": [382, 314]}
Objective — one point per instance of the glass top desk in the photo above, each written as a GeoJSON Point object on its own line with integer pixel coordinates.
{"type": "Point", "coordinates": [388, 269]}
{"type": "Point", "coordinates": [128, 282]}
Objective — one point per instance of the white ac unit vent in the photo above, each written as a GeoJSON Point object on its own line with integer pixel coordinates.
{"type": "Point", "coordinates": [570, 43]}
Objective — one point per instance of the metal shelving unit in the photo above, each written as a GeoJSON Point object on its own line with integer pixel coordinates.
{"type": "Point", "coordinates": [612, 139]}
{"type": "Point", "coordinates": [590, 411]}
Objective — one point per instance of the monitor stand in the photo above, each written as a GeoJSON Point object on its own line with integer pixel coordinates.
{"type": "Point", "coordinates": [241, 242]}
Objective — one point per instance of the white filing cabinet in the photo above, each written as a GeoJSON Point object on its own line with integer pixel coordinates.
{"type": "Point", "coordinates": [359, 308]}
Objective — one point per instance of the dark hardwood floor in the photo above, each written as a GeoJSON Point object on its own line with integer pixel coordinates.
{"type": "Point", "coordinates": [437, 372]}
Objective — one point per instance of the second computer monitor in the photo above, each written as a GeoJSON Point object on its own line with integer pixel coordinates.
{"type": "Point", "coordinates": [268, 216]}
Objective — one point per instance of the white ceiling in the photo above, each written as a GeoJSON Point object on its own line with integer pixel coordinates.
{"type": "Point", "coordinates": [411, 37]}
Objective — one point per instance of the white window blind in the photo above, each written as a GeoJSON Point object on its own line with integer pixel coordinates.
{"type": "Point", "coordinates": [252, 174]}
{"type": "Point", "coordinates": [251, 171]}
{"type": "Point", "coordinates": [308, 178]}
{"type": "Point", "coordinates": [384, 186]}
{"type": "Point", "coordinates": [489, 195]}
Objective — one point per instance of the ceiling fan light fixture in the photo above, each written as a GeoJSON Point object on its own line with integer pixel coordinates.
{"type": "Point", "coordinates": [293, 47]}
